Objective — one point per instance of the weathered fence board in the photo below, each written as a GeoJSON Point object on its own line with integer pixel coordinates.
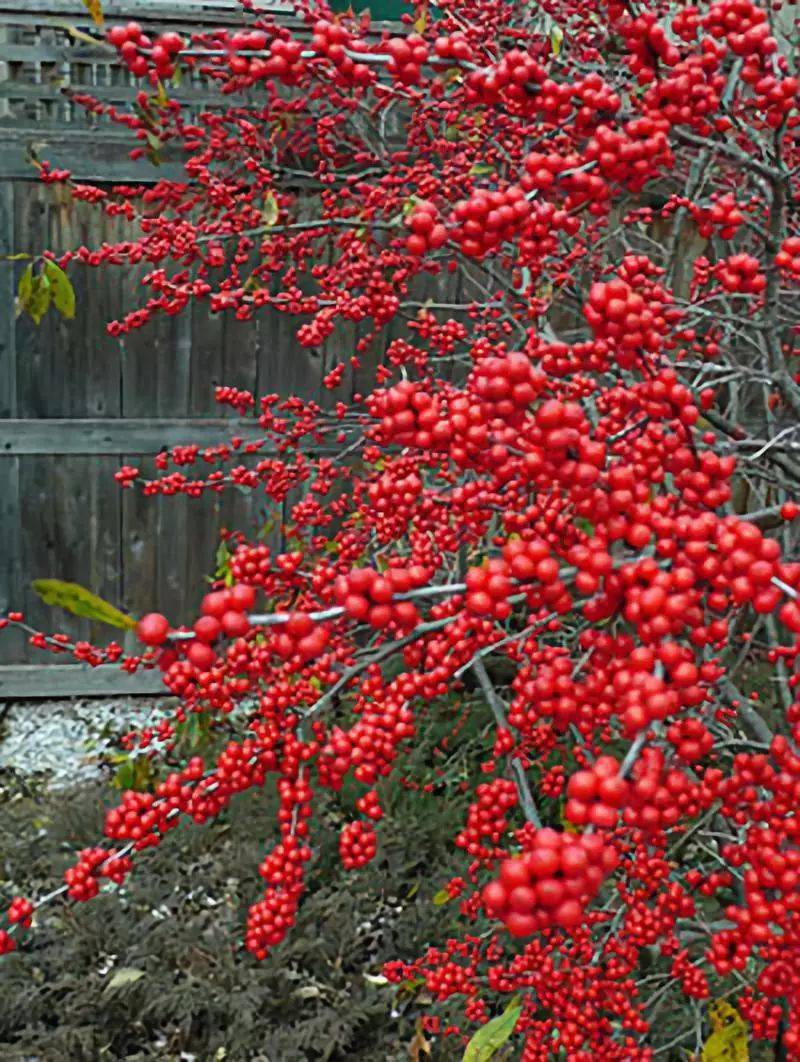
{"type": "Point", "coordinates": [74, 680]}
{"type": "Point", "coordinates": [75, 402]}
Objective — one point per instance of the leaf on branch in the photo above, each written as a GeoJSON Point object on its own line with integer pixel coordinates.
{"type": "Point", "coordinates": [556, 39]}
{"type": "Point", "coordinates": [154, 146]}
{"type": "Point", "coordinates": [442, 897]}
{"type": "Point", "coordinates": [126, 975]}
{"type": "Point", "coordinates": [38, 302]}
{"type": "Point", "coordinates": [271, 210]}
{"type": "Point", "coordinates": [81, 602]}
{"type": "Point", "coordinates": [24, 290]}
{"type": "Point", "coordinates": [61, 289]}
{"type": "Point", "coordinates": [488, 1039]}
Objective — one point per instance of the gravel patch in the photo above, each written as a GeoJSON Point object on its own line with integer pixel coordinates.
{"type": "Point", "coordinates": [64, 742]}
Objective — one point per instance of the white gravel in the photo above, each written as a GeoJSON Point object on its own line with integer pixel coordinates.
{"type": "Point", "coordinates": [67, 740]}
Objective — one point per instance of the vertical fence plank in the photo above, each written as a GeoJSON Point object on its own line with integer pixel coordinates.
{"type": "Point", "coordinates": [14, 649]}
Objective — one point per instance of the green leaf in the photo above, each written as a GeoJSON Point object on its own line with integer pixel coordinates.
{"type": "Point", "coordinates": [442, 897]}
{"type": "Point", "coordinates": [81, 602]}
{"type": "Point", "coordinates": [62, 291]}
{"type": "Point", "coordinates": [40, 298]}
{"type": "Point", "coordinates": [125, 776]}
{"type": "Point", "coordinates": [154, 146]}
{"type": "Point", "coordinates": [126, 975]}
{"type": "Point", "coordinates": [223, 559]}
{"type": "Point", "coordinates": [488, 1039]}
{"type": "Point", "coordinates": [25, 289]}
{"type": "Point", "coordinates": [556, 39]}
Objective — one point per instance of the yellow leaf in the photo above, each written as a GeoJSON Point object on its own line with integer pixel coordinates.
{"type": "Point", "coordinates": [556, 40]}
{"type": "Point", "coordinates": [442, 897]}
{"type": "Point", "coordinates": [421, 23]}
{"type": "Point", "coordinates": [81, 602]}
{"type": "Point", "coordinates": [95, 9]}
{"type": "Point", "coordinates": [271, 210]}
{"type": "Point", "coordinates": [728, 1040]}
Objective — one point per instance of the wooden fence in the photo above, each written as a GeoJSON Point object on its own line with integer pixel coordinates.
{"type": "Point", "coordinates": [76, 403]}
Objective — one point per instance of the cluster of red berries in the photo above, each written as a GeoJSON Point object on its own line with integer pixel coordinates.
{"type": "Point", "coordinates": [551, 883]}
{"type": "Point", "coordinates": [788, 257]}
{"type": "Point", "coordinates": [454, 48]}
{"type": "Point", "coordinates": [428, 233]}
{"type": "Point", "coordinates": [300, 637]}
{"type": "Point", "coordinates": [615, 311]}
{"type": "Point", "coordinates": [223, 612]}
{"type": "Point", "coordinates": [743, 25]}
{"type": "Point", "coordinates": [648, 46]}
{"type": "Point", "coordinates": [489, 588]}
{"type": "Point", "coordinates": [628, 155]}
{"type": "Point", "coordinates": [658, 796]}
{"type": "Point", "coordinates": [366, 594]}
{"type": "Point", "coordinates": [20, 911]}
{"type": "Point", "coordinates": [392, 499]}
{"type": "Point", "coordinates": [596, 794]}
{"type": "Point", "coordinates": [692, 739]}
{"type": "Point", "coordinates": [486, 819]}
{"type": "Point", "coordinates": [740, 274]}
{"type": "Point", "coordinates": [514, 78]}
{"type": "Point", "coordinates": [489, 218]}
{"type": "Point", "coordinates": [542, 170]}
{"type": "Point", "coordinates": [408, 415]}
{"type": "Point", "coordinates": [563, 448]}
{"type": "Point", "coordinates": [691, 93]}
{"type": "Point", "coordinates": [140, 53]}
{"type": "Point", "coordinates": [723, 218]}
{"type": "Point", "coordinates": [358, 844]}
{"type": "Point", "coordinates": [83, 879]}
{"type": "Point", "coordinates": [406, 57]}
{"type": "Point", "coordinates": [508, 385]}
{"type": "Point", "coordinates": [269, 920]}
{"type": "Point", "coordinates": [332, 40]}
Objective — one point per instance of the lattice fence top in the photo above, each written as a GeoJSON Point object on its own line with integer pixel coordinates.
{"type": "Point", "coordinates": [43, 63]}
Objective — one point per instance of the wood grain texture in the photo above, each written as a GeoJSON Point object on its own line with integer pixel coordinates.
{"type": "Point", "coordinates": [74, 680]}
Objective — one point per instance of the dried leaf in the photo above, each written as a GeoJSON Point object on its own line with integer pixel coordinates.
{"type": "Point", "coordinates": [95, 9]}
{"type": "Point", "coordinates": [419, 1046]}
